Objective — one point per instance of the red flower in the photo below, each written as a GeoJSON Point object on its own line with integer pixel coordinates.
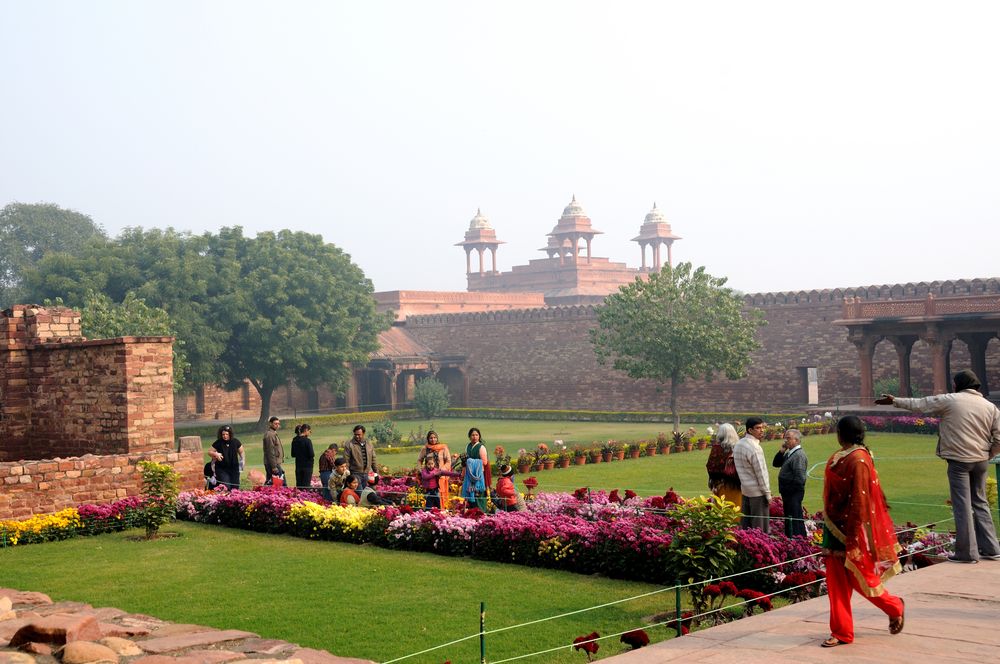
{"type": "Point", "coordinates": [613, 497]}
{"type": "Point", "coordinates": [629, 494]}
{"type": "Point", "coordinates": [473, 513]}
{"type": "Point", "coordinates": [657, 503]}
{"type": "Point", "coordinates": [671, 497]}
{"type": "Point", "coordinates": [711, 590]}
{"type": "Point", "coordinates": [637, 638]}
{"type": "Point", "coordinates": [405, 509]}
{"type": "Point", "coordinates": [728, 588]}
{"type": "Point", "coordinates": [587, 643]}
{"type": "Point", "coordinates": [764, 602]}
{"type": "Point", "coordinates": [684, 630]}
{"type": "Point", "coordinates": [531, 482]}
{"type": "Point", "coordinates": [581, 493]}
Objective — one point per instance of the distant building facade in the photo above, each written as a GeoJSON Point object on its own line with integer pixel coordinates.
{"type": "Point", "coordinates": [520, 339]}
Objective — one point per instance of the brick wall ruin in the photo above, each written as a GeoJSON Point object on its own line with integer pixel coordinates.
{"type": "Point", "coordinates": [77, 415]}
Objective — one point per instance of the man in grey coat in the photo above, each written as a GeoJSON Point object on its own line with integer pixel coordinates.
{"type": "Point", "coordinates": [792, 461]}
{"type": "Point", "coordinates": [969, 434]}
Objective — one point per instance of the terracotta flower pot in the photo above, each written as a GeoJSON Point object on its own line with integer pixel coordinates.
{"type": "Point", "coordinates": [548, 465]}
{"type": "Point", "coordinates": [606, 457]}
{"type": "Point", "coordinates": [564, 463]}
{"type": "Point", "coordinates": [619, 455]}
{"type": "Point", "coordinates": [651, 451]}
{"type": "Point", "coordinates": [522, 469]}
{"type": "Point", "coordinates": [634, 454]}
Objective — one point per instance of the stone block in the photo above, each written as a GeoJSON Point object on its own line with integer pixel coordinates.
{"type": "Point", "coordinates": [86, 652]}
{"type": "Point", "coordinates": [58, 629]}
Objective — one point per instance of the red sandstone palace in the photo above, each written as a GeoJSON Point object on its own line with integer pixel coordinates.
{"type": "Point", "coordinates": [519, 338]}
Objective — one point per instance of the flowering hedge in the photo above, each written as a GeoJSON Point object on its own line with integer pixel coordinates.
{"type": "Point", "coordinates": [70, 522]}
{"type": "Point", "coordinates": [585, 532]}
{"type": "Point", "coordinates": [901, 423]}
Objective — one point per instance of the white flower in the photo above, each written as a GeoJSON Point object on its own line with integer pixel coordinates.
{"type": "Point", "coordinates": [710, 431]}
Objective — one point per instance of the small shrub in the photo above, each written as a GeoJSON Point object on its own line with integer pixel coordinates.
{"type": "Point", "coordinates": [160, 487]}
{"type": "Point", "coordinates": [430, 397]}
{"type": "Point", "coordinates": [385, 433]}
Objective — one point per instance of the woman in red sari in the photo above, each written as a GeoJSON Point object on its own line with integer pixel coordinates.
{"type": "Point", "coordinates": [859, 540]}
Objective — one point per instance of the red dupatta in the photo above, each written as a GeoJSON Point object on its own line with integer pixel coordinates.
{"type": "Point", "coordinates": [857, 515]}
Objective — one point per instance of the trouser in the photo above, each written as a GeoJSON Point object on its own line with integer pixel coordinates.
{"type": "Point", "coordinates": [840, 584]}
{"type": "Point", "coordinates": [303, 477]}
{"type": "Point", "coordinates": [795, 526]}
{"type": "Point", "coordinates": [432, 499]}
{"type": "Point", "coordinates": [324, 479]}
{"type": "Point", "coordinates": [756, 512]}
{"type": "Point", "coordinates": [975, 535]}
{"type": "Point", "coordinates": [227, 478]}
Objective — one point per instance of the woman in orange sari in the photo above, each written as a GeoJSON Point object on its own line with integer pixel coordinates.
{"type": "Point", "coordinates": [859, 540]}
{"type": "Point", "coordinates": [442, 461]}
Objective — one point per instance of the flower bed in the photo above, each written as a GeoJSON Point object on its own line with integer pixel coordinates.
{"type": "Point", "coordinates": [626, 537]}
{"type": "Point", "coordinates": [901, 423]}
{"type": "Point", "coordinates": [70, 522]}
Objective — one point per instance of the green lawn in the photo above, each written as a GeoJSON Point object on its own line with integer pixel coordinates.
{"type": "Point", "coordinates": [914, 479]}
{"type": "Point", "coordinates": [358, 601]}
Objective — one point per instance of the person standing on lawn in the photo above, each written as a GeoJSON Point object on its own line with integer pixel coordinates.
{"type": "Point", "coordinates": [754, 480]}
{"type": "Point", "coordinates": [968, 437]}
{"type": "Point", "coordinates": [723, 480]}
{"type": "Point", "coordinates": [792, 461]}
{"type": "Point", "coordinates": [439, 453]}
{"type": "Point", "coordinates": [304, 455]}
{"type": "Point", "coordinates": [360, 456]}
{"type": "Point", "coordinates": [274, 453]}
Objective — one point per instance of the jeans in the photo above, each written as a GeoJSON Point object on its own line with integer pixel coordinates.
{"type": "Point", "coordinates": [324, 479]}
{"type": "Point", "coordinates": [974, 532]}
{"type": "Point", "coordinates": [795, 526]}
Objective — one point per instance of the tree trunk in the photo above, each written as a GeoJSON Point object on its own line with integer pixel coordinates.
{"type": "Point", "coordinates": [265, 392]}
{"type": "Point", "coordinates": [673, 402]}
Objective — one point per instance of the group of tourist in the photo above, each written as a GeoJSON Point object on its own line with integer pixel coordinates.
{"type": "Point", "coordinates": [859, 540]}
{"type": "Point", "coordinates": [350, 476]}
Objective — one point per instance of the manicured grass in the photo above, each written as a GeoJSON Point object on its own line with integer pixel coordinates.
{"type": "Point", "coordinates": [352, 600]}
{"type": "Point", "coordinates": [914, 479]}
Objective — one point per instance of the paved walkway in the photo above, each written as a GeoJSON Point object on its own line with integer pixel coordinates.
{"type": "Point", "coordinates": [952, 615]}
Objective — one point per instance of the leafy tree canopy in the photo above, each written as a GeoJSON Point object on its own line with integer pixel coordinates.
{"type": "Point", "coordinates": [28, 233]}
{"type": "Point", "coordinates": [278, 307]}
{"type": "Point", "coordinates": [680, 324]}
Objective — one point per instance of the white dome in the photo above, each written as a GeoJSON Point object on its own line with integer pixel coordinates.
{"type": "Point", "coordinates": [574, 209]}
{"type": "Point", "coordinates": [480, 222]}
{"type": "Point", "coordinates": [655, 216]}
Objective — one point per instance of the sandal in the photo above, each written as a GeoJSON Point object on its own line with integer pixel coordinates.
{"type": "Point", "coordinates": [896, 624]}
{"type": "Point", "coordinates": [833, 641]}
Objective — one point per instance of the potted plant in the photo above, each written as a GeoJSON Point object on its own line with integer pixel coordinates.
{"type": "Point", "coordinates": [607, 451]}
{"type": "Point", "coordinates": [662, 443]}
{"type": "Point", "coordinates": [595, 455]}
{"type": "Point", "coordinates": [633, 450]}
{"type": "Point", "coordinates": [580, 456]}
{"type": "Point", "coordinates": [549, 461]}
{"type": "Point", "coordinates": [651, 448]}
{"type": "Point", "coordinates": [564, 458]}
{"type": "Point", "coordinates": [524, 461]}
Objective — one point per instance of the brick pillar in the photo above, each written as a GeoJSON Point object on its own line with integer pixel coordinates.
{"type": "Point", "coordinates": [904, 347]}
{"type": "Point", "coordinates": [866, 350]}
{"type": "Point", "coordinates": [977, 344]}
{"type": "Point", "coordinates": [940, 348]}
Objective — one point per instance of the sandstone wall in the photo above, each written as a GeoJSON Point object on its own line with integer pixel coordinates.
{"type": "Point", "coordinates": [542, 358]}
{"type": "Point", "coordinates": [46, 486]}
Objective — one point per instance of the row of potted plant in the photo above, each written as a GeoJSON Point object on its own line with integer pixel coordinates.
{"type": "Point", "coordinates": [543, 458]}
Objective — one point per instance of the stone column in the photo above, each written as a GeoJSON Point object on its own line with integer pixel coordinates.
{"type": "Point", "coordinates": [904, 348]}
{"type": "Point", "coordinates": [977, 343]}
{"type": "Point", "coordinates": [866, 350]}
{"type": "Point", "coordinates": [656, 256]}
{"type": "Point", "coordinates": [482, 262]}
{"type": "Point", "coordinates": [351, 393]}
{"type": "Point", "coordinates": [588, 249]}
{"type": "Point", "coordinates": [468, 260]}
{"type": "Point", "coordinates": [493, 254]}
{"type": "Point", "coordinates": [393, 376]}
{"type": "Point", "coordinates": [670, 255]}
{"type": "Point", "coordinates": [642, 249]}
{"type": "Point", "coordinates": [940, 346]}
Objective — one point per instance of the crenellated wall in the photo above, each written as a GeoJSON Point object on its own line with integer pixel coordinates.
{"type": "Point", "coordinates": [542, 358]}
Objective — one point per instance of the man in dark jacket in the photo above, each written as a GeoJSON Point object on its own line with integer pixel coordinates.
{"type": "Point", "coordinates": [792, 461]}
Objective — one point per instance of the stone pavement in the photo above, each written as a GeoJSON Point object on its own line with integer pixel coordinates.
{"type": "Point", "coordinates": [952, 615]}
{"type": "Point", "coordinates": [36, 630]}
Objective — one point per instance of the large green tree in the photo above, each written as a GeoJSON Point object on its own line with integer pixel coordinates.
{"type": "Point", "coordinates": [268, 309]}
{"type": "Point", "coordinates": [299, 309]}
{"type": "Point", "coordinates": [29, 232]}
{"type": "Point", "coordinates": [680, 324]}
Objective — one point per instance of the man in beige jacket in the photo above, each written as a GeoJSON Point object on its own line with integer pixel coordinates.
{"type": "Point", "coordinates": [968, 436]}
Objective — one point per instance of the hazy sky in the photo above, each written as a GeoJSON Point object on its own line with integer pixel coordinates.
{"type": "Point", "coordinates": [792, 145]}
